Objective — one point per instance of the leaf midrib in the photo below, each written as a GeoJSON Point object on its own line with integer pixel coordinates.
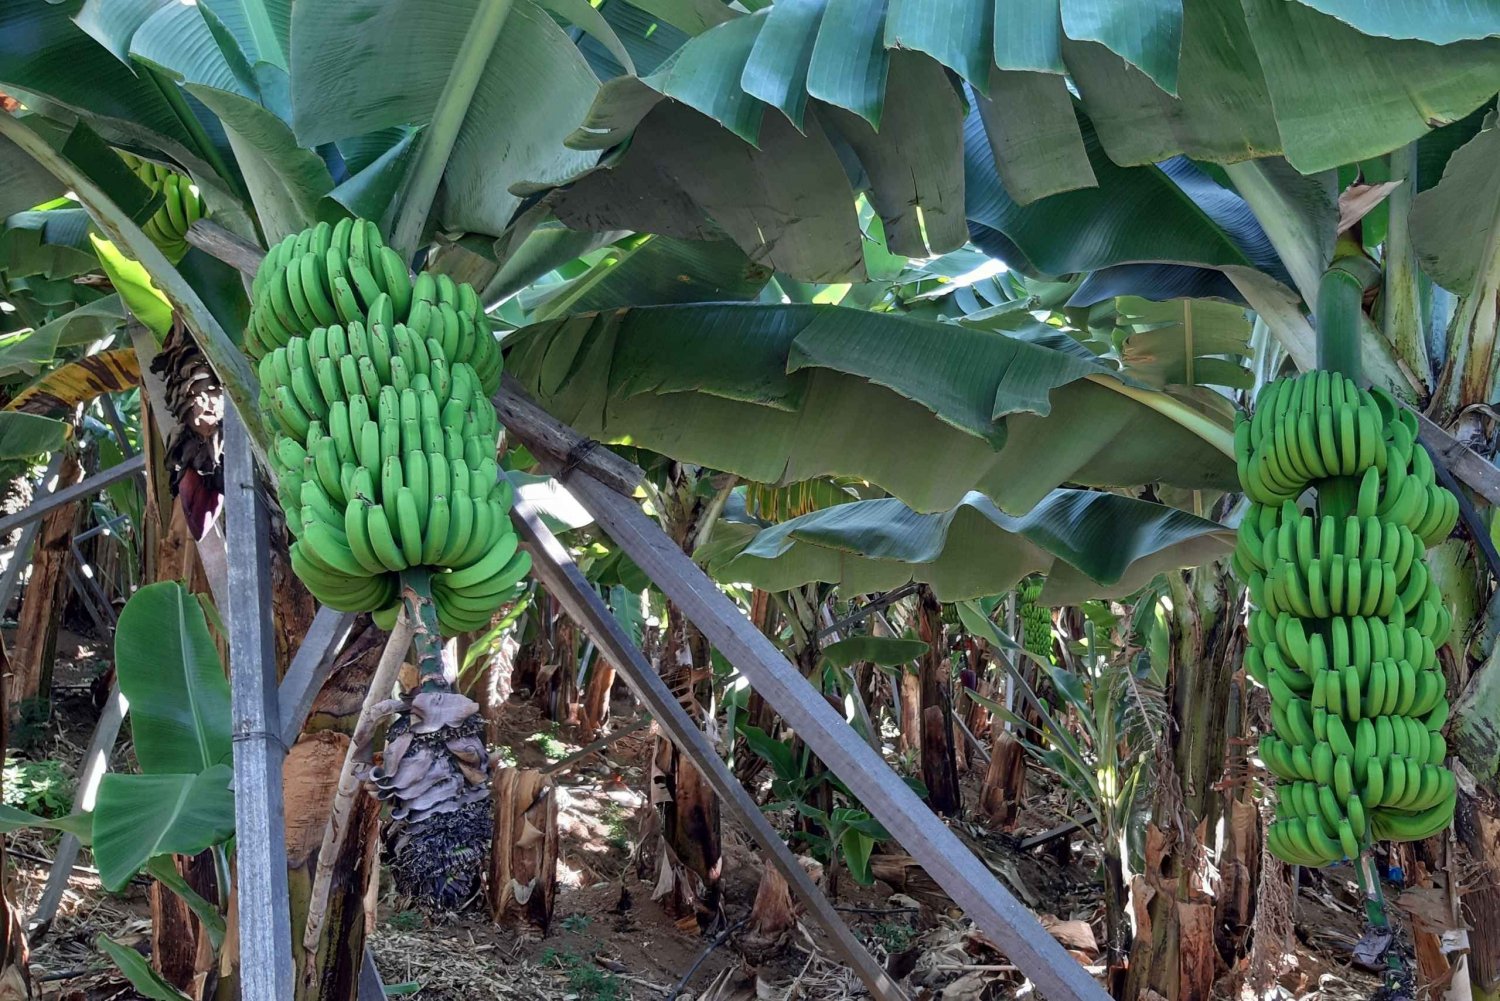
{"type": "Point", "coordinates": [184, 642]}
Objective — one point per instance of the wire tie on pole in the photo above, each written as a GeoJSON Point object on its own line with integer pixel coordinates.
{"type": "Point", "coordinates": [576, 453]}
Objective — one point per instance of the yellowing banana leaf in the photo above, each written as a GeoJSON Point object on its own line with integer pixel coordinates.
{"type": "Point", "coordinates": [80, 381]}
{"type": "Point", "coordinates": [1089, 545]}
{"type": "Point", "coordinates": [134, 285]}
{"type": "Point", "coordinates": [775, 504]}
{"type": "Point", "coordinates": [927, 411]}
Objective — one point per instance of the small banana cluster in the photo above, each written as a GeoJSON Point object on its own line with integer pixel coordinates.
{"type": "Point", "coordinates": [385, 447]}
{"type": "Point", "coordinates": [345, 274]}
{"type": "Point", "coordinates": [1348, 619]}
{"type": "Point", "coordinates": [181, 206]}
{"type": "Point", "coordinates": [1036, 619]}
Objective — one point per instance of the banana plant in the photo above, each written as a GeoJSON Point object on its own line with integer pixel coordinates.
{"type": "Point", "coordinates": [180, 802]}
{"type": "Point", "coordinates": [1099, 737]}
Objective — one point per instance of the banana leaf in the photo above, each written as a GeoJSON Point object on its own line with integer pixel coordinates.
{"type": "Point", "coordinates": [29, 351]}
{"type": "Point", "coordinates": [23, 436]}
{"type": "Point", "coordinates": [1253, 79]}
{"type": "Point", "coordinates": [79, 381]}
{"type": "Point", "coordinates": [928, 411]}
{"type": "Point", "coordinates": [139, 971]}
{"type": "Point", "coordinates": [882, 651]}
{"type": "Point", "coordinates": [1434, 21]}
{"type": "Point", "coordinates": [356, 66]}
{"type": "Point", "coordinates": [137, 817]}
{"type": "Point", "coordinates": [1088, 544]}
{"type": "Point", "coordinates": [171, 673]}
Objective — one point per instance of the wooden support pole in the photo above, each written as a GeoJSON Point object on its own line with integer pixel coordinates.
{"type": "Point", "coordinates": [984, 899]}
{"type": "Point", "coordinates": [95, 764]}
{"type": "Point", "coordinates": [310, 668]}
{"type": "Point", "coordinates": [562, 578]}
{"type": "Point", "coordinates": [67, 495]}
{"type": "Point", "coordinates": [21, 555]}
{"type": "Point", "coordinates": [1474, 470]}
{"type": "Point", "coordinates": [265, 931]}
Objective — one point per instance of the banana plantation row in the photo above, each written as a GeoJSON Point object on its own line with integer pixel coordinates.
{"type": "Point", "coordinates": [776, 499]}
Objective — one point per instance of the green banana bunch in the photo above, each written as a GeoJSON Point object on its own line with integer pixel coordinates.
{"type": "Point", "coordinates": [385, 445]}
{"type": "Point", "coordinates": [344, 274]}
{"type": "Point", "coordinates": [181, 206]}
{"type": "Point", "coordinates": [1036, 619]}
{"type": "Point", "coordinates": [1347, 618]}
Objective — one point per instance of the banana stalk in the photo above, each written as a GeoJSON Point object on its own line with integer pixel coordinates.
{"type": "Point", "coordinates": [427, 637]}
{"type": "Point", "coordinates": [1340, 311]}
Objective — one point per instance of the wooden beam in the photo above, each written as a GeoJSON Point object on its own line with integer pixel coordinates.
{"type": "Point", "coordinates": [231, 248]}
{"type": "Point", "coordinates": [595, 747]}
{"type": "Point", "coordinates": [1474, 470]}
{"type": "Point", "coordinates": [21, 555]}
{"type": "Point", "coordinates": [95, 764]}
{"type": "Point", "coordinates": [548, 437]}
{"type": "Point", "coordinates": [987, 902]}
{"type": "Point", "coordinates": [560, 575]}
{"type": "Point", "coordinates": [265, 930]}
{"type": "Point", "coordinates": [310, 668]}
{"type": "Point", "coordinates": [44, 505]}
{"type": "Point", "coordinates": [370, 986]}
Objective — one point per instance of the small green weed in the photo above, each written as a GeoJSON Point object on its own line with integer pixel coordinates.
{"type": "Point", "coordinates": [585, 978]}
{"type": "Point", "coordinates": [40, 787]}
{"type": "Point", "coordinates": [405, 920]}
{"type": "Point", "coordinates": [29, 726]}
{"type": "Point", "coordinates": [575, 922]}
{"type": "Point", "coordinates": [617, 822]}
{"type": "Point", "coordinates": [553, 748]}
{"type": "Point", "coordinates": [895, 936]}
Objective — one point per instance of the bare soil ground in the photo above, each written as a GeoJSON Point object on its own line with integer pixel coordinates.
{"type": "Point", "coordinates": [611, 942]}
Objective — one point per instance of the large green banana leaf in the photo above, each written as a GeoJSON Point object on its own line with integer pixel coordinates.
{"type": "Point", "coordinates": [652, 270]}
{"type": "Point", "coordinates": [171, 675]}
{"type": "Point", "coordinates": [1089, 544]}
{"type": "Point", "coordinates": [1430, 20]}
{"type": "Point", "coordinates": [170, 672]}
{"type": "Point", "coordinates": [1254, 79]}
{"type": "Point", "coordinates": [285, 181]}
{"type": "Point", "coordinates": [137, 817]}
{"type": "Point", "coordinates": [926, 410]}
{"type": "Point", "coordinates": [44, 53]}
{"type": "Point", "coordinates": [1216, 80]}
{"type": "Point", "coordinates": [1456, 224]}
{"type": "Point", "coordinates": [357, 66]}
{"type": "Point", "coordinates": [29, 351]}
{"type": "Point", "coordinates": [23, 183]}
{"type": "Point", "coordinates": [23, 436]}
